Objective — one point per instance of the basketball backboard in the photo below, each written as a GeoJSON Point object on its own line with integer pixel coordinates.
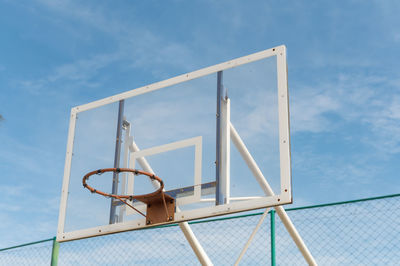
{"type": "Point", "coordinates": [218, 137]}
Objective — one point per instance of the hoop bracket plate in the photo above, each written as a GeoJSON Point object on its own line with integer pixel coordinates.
{"type": "Point", "coordinates": [156, 211]}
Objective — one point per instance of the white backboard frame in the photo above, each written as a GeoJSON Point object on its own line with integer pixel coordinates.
{"type": "Point", "coordinates": [285, 195]}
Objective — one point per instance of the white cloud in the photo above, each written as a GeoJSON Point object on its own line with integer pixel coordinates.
{"type": "Point", "coordinates": [308, 110]}
{"type": "Point", "coordinates": [135, 47]}
{"type": "Point", "coordinates": [12, 191]}
{"type": "Point", "coordinates": [9, 207]}
{"type": "Point", "coordinates": [23, 156]}
{"type": "Point", "coordinates": [358, 99]}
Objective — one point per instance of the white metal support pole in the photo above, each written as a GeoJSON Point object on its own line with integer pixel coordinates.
{"type": "Point", "coordinates": [222, 143]}
{"type": "Point", "coordinates": [269, 192]}
{"type": "Point", "coordinates": [184, 226]}
{"type": "Point", "coordinates": [127, 143]}
{"type": "Point", "coordinates": [144, 164]}
{"type": "Point", "coordinates": [194, 243]}
{"type": "Point", "coordinates": [252, 236]}
{"type": "Point", "coordinates": [224, 166]}
{"type": "Point", "coordinates": [113, 207]}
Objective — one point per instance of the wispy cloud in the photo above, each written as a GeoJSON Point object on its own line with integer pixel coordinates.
{"type": "Point", "coordinates": [80, 73]}
{"type": "Point", "coordinates": [9, 207]}
{"type": "Point", "coordinates": [12, 191]}
{"type": "Point", "coordinates": [136, 48]}
{"type": "Point", "coordinates": [309, 109]}
{"type": "Point", "coordinates": [29, 155]}
{"type": "Point", "coordinates": [358, 99]}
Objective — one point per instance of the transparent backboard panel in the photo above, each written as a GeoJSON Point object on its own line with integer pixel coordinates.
{"type": "Point", "coordinates": [94, 148]}
{"type": "Point", "coordinates": [252, 89]}
{"type": "Point", "coordinates": [170, 129]}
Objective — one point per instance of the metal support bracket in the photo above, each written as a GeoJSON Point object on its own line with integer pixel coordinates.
{"type": "Point", "coordinates": [160, 208]}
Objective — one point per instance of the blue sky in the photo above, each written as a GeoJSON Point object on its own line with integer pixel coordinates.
{"type": "Point", "coordinates": [343, 81]}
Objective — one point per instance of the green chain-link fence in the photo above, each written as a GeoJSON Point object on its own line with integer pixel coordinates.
{"type": "Point", "coordinates": [35, 253]}
{"type": "Point", "coordinates": [361, 232]}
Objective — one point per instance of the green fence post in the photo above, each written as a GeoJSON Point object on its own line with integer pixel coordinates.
{"type": "Point", "coordinates": [273, 258]}
{"type": "Point", "coordinates": [54, 252]}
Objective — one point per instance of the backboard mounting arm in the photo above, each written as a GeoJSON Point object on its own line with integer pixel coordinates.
{"type": "Point", "coordinates": [218, 199]}
{"type": "Point", "coordinates": [222, 162]}
{"type": "Point", "coordinates": [118, 141]}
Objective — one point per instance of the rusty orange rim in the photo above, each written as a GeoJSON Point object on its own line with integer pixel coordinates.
{"type": "Point", "coordinates": [123, 198]}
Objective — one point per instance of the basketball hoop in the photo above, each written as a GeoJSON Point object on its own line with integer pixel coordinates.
{"type": "Point", "coordinates": [160, 206]}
